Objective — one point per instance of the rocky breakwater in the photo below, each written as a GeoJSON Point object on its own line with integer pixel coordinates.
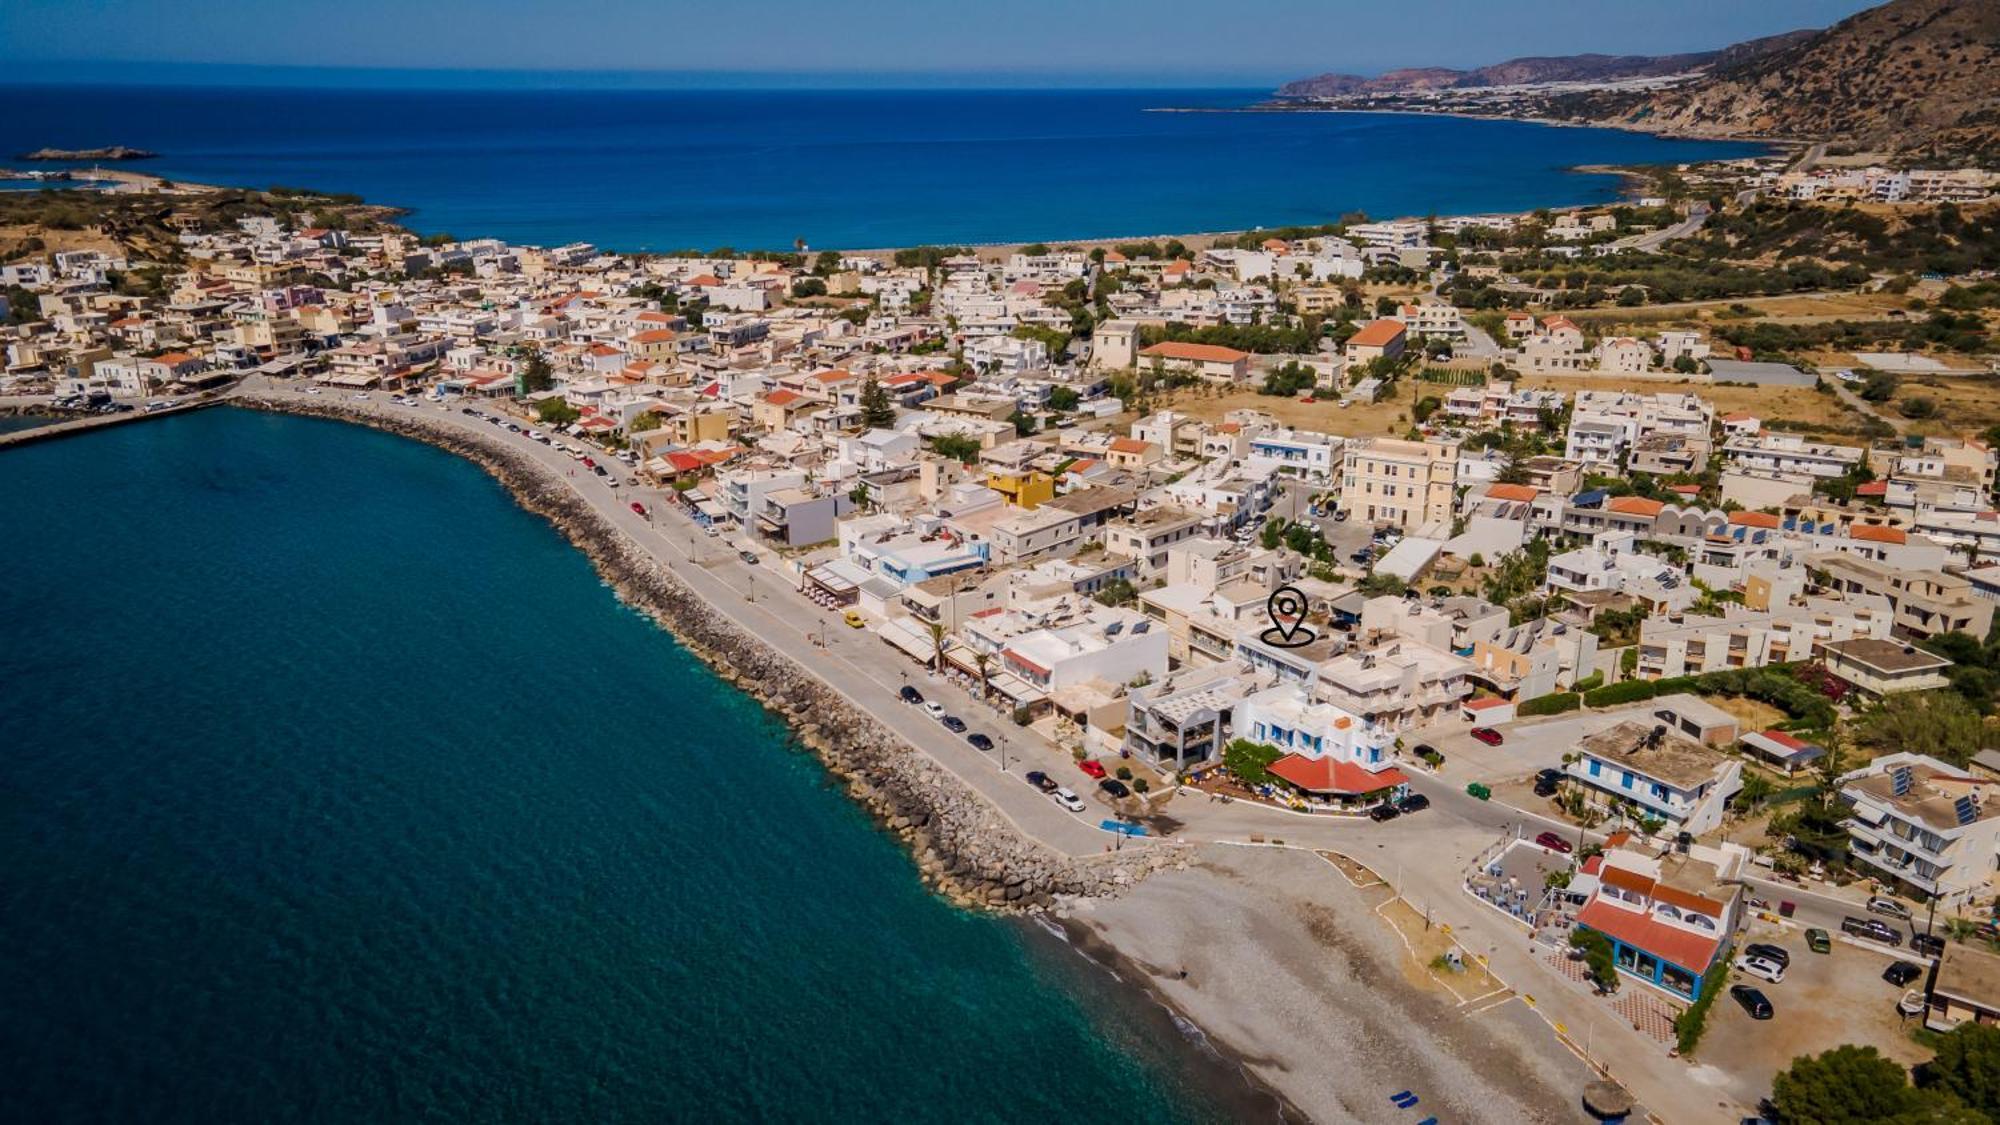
{"type": "Point", "coordinates": [963, 846]}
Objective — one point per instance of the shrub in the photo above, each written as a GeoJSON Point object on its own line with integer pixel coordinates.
{"type": "Point", "coordinates": [1124, 773]}
{"type": "Point", "coordinates": [1689, 1025]}
{"type": "Point", "coordinates": [1554, 704]}
{"type": "Point", "coordinates": [1591, 682]}
{"type": "Point", "coordinates": [1250, 761]}
{"type": "Point", "coordinates": [1141, 785]}
{"type": "Point", "coordinates": [1631, 691]}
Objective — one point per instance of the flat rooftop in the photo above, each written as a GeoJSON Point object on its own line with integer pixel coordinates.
{"type": "Point", "coordinates": [1672, 759]}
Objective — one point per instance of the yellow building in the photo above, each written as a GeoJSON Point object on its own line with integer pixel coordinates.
{"type": "Point", "coordinates": [1406, 484]}
{"type": "Point", "coordinates": [1025, 490]}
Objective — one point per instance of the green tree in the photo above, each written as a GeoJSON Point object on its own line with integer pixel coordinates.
{"type": "Point", "coordinates": [1251, 761]}
{"type": "Point", "coordinates": [1967, 1067]}
{"type": "Point", "coordinates": [1941, 722]}
{"type": "Point", "coordinates": [1118, 591]}
{"type": "Point", "coordinates": [536, 375]}
{"type": "Point", "coordinates": [1597, 957]}
{"type": "Point", "coordinates": [1063, 399]}
{"type": "Point", "coordinates": [644, 422]}
{"type": "Point", "coordinates": [1024, 423]}
{"type": "Point", "coordinates": [556, 412]}
{"type": "Point", "coordinates": [877, 412]}
{"type": "Point", "coordinates": [1852, 1085]}
{"type": "Point", "coordinates": [957, 446]}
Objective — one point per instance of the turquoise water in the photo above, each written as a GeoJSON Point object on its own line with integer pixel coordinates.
{"type": "Point", "coordinates": [337, 788]}
{"type": "Point", "coordinates": [669, 169]}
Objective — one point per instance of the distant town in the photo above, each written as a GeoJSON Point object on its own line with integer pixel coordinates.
{"type": "Point", "coordinates": [1655, 543]}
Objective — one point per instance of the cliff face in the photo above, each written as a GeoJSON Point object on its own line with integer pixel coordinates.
{"type": "Point", "coordinates": [1911, 75]}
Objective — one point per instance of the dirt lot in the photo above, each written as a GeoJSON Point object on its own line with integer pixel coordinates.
{"type": "Point", "coordinates": [1327, 416]}
{"type": "Point", "coordinates": [1825, 1001]}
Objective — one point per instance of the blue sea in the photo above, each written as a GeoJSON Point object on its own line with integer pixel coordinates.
{"type": "Point", "coordinates": [338, 788]}
{"type": "Point", "coordinates": [674, 169]}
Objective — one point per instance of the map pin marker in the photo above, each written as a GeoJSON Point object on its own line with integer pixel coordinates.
{"type": "Point", "coordinates": [1287, 609]}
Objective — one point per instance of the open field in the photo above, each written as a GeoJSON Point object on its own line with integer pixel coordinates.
{"type": "Point", "coordinates": [1966, 404]}
{"type": "Point", "coordinates": [1387, 418]}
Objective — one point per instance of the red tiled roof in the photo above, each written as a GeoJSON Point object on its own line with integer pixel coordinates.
{"type": "Point", "coordinates": [1512, 492]}
{"type": "Point", "coordinates": [1128, 445]}
{"type": "Point", "coordinates": [1376, 334]}
{"type": "Point", "coordinates": [1634, 506]}
{"type": "Point", "coordinates": [1871, 533]}
{"type": "Point", "coordinates": [1329, 775]}
{"type": "Point", "coordinates": [783, 398]}
{"type": "Point", "coordinates": [1753, 519]}
{"type": "Point", "coordinates": [1873, 488]}
{"type": "Point", "coordinates": [1206, 353]}
{"type": "Point", "coordinates": [1685, 489]}
{"type": "Point", "coordinates": [1670, 943]}
{"type": "Point", "coordinates": [1784, 740]}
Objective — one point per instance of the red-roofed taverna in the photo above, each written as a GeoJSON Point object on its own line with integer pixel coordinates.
{"type": "Point", "coordinates": [1668, 917]}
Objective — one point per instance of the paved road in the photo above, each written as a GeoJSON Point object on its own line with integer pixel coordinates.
{"type": "Point", "coordinates": [1645, 243]}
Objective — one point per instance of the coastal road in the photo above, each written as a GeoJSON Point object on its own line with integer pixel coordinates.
{"type": "Point", "coordinates": [1697, 217]}
{"type": "Point", "coordinates": [766, 603]}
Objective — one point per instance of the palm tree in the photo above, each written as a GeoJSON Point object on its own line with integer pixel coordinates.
{"type": "Point", "coordinates": [937, 646]}
{"type": "Point", "coordinates": [983, 661]}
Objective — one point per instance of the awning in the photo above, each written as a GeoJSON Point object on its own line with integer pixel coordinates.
{"type": "Point", "coordinates": [898, 632]}
{"type": "Point", "coordinates": [1326, 775]}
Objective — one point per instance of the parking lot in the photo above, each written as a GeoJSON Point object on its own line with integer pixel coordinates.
{"type": "Point", "coordinates": [1826, 1000]}
{"type": "Point", "coordinates": [1529, 746]}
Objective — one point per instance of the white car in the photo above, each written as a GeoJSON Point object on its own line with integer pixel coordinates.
{"type": "Point", "coordinates": [312, 390]}
{"type": "Point", "coordinates": [710, 531]}
{"type": "Point", "coordinates": [1067, 799]}
{"type": "Point", "coordinates": [1762, 969]}
{"type": "Point", "coordinates": [934, 709]}
{"type": "Point", "coordinates": [361, 396]}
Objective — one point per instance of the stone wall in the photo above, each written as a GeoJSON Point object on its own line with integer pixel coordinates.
{"type": "Point", "coordinates": [962, 845]}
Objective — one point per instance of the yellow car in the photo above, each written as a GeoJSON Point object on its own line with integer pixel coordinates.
{"type": "Point", "coordinates": [853, 619]}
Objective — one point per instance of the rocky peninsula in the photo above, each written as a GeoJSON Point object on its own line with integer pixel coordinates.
{"type": "Point", "coordinates": [113, 152]}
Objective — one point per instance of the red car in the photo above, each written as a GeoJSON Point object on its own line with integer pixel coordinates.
{"type": "Point", "coordinates": [1554, 843]}
{"type": "Point", "coordinates": [1487, 735]}
{"type": "Point", "coordinates": [638, 508]}
{"type": "Point", "coordinates": [1091, 767]}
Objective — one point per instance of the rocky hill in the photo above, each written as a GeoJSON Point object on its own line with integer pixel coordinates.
{"type": "Point", "coordinates": [1918, 76]}
{"type": "Point", "coordinates": [1533, 69]}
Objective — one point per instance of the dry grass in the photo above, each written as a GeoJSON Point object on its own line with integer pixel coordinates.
{"type": "Point", "coordinates": [1751, 714]}
{"type": "Point", "coordinates": [1966, 404]}
{"type": "Point", "coordinates": [1390, 417]}
{"type": "Point", "coordinates": [1426, 946]}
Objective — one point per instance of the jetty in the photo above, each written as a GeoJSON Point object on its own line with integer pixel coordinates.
{"type": "Point", "coordinates": [93, 422]}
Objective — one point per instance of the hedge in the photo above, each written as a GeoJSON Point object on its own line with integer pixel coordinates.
{"type": "Point", "coordinates": [1689, 1025]}
{"type": "Point", "coordinates": [1628, 692]}
{"type": "Point", "coordinates": [1554, 704]}
{"type": "Point", "coordinates": [1591, 682]}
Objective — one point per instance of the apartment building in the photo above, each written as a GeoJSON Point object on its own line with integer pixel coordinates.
{"type": "Point", "coordinates": [1295, 453]}
{"type": "Point", "coordinates": [1147, 535]}
{"type": "Point", "coordinates": [1186, 718]}
{"type": "Point", "coordinates": [1404, 484]}
{"type": "Point", "coordinates": [1925, 602]}
{"type": "Point", "coordinates": [1331, 754]}
{"type": "Point", "coordinates": [1650, 772]}
{"type": "Point", "coordinates": [1791, 455]}
{"type": "Point", "coordinates": [1693, 644]}
{"type": "Point", "coordinates": [1402, 685]}
{"type": "Point", "coordinates": [1925, 824]}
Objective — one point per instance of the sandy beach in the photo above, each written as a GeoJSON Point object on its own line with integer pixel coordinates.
{"type": "Point", "coordinates": [1288, 970]}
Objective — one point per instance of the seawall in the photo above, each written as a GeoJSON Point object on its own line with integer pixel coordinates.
{"type": "Point", "coordinates": [962, 846]}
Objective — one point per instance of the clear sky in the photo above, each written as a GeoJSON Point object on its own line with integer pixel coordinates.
{"type": "Point", "coordinates": [863, 42]}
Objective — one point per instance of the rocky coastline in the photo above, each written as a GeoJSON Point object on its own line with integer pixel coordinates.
{"type": "Point", "coordinates": [963, 848]}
